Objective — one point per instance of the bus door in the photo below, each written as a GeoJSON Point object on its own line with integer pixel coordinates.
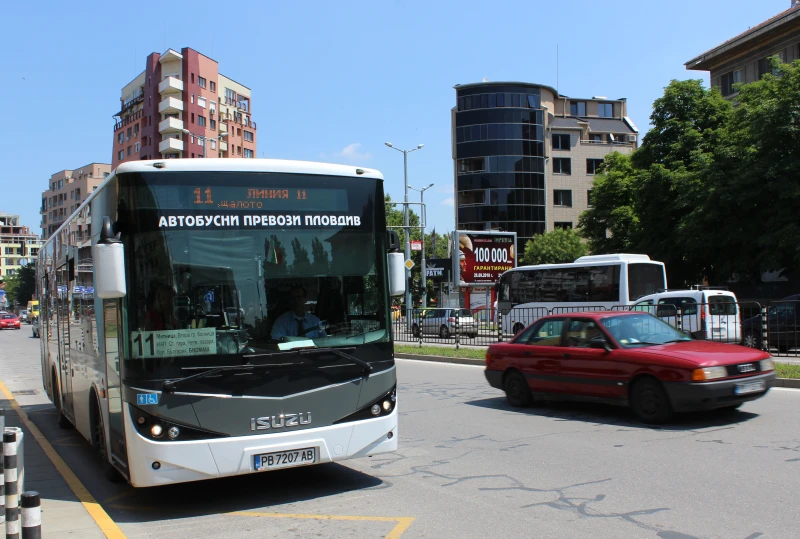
{"type": "Point", "coordinates": [62, 322]}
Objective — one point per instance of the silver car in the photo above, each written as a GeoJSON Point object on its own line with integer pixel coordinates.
{"type": "Point", "coordinates": [442, 322]}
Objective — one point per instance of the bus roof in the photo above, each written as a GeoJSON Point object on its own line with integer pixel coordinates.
{"type": "Point", "coordinates": [624, 257]}
{"type": "Point", "coordinates": [248, 165]}
{"type": "Point", "coordinates": [593, 260]}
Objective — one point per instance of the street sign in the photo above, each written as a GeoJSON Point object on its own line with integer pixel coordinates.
{"type": "Point", "coordinates": [409, 264]}
{"type": "Point", "coordinates": [416, 245]}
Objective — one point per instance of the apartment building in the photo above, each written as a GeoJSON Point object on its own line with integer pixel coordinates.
{"type": "Point", "coordinates": [746, 57]}
{"type": "Point", "coordinates": [525, 156]}
{"type": "Point", "coordinates": [18, 245]}
{"type": "Point", "coordinates": [66, 190]}
{"type": "Point", "coordinates": [181, 106]}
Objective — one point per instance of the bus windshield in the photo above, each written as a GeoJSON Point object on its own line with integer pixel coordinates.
{"type": "Point", "coordinates": [226, 264]}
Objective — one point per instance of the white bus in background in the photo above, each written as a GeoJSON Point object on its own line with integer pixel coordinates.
{"type": "Point", "coordinates": [599, 281]}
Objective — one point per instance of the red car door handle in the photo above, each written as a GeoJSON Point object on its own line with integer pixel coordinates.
{"type": "Point", "coordinates": [565, 355]}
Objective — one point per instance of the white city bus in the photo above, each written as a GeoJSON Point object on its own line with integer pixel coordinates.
{"type": "Point", "coordinates": [599, 281]}
{"type": "Point", "coordinates": [158, 300]}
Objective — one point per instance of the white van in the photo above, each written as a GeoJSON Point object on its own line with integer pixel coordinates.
{"type": "Point", "coordinates": [706, 313]}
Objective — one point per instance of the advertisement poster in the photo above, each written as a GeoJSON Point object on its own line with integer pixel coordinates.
{"type": "Point", "coordinates": [484, 256]}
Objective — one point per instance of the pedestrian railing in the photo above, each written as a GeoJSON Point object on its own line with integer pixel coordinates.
{"type": "Point", "coordinates": [774, 326]}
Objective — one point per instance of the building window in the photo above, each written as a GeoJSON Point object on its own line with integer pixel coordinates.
{"type": "Point", "coordinates": [562, 197]}
{"type": "Point", "coordinates": [592, 165]}
{"type": "Point", "coordinates": [136, 147]}
{"type": "Point", "coordinates": [561, 142]}
{"type": "Point", "coordinates": [213, 86]}
{"type": "Point", "coordinates": [201, 142]}
{"type": "Point", "coordinates": [121, 155]}
{"type": "Point", "coordinates": [213, 144]}
{"type": "Point", "coordinates": [248, 136]}
{"type": "Point", "coordinates": [192, 117]}
{"type": "Point", "coordinates": [473, 164]}
{"type": "Point", "coordinates": [577, 108]}
{"type": "Point", "coordinates": [562, 165]}
{"type": "Point", "coordinates": [243, 103]}
{"type": "Point", "coordinates": [201, 121]}
{"type": "Point", "coordinates": [727, 81]}
{"type": "Point", "coordinates": [230, 96]}
{"type": "Point", "coordinates": [192, 76]}
{"type": "Point", "coordinates": [589, 198]}
{"type": "Point", "coordinates": [248, 153]}
{"type": "Point", "coordinates": [564, 225]}
{"type": "Point", "coordinates": [213, 124]}
{"type": "Point", "coordinates": [201, 101]}
{"type": "Point", "coordinates": [765, 66]}
{"type": "Point", "coordinates": [596, 137]}
{"type": "Point", "coordinates": [605, 110]}
{"type": "Point", "coordinates": [201, 82]}
{"type": "Point", "coordinates": [120, 137]}
{"type": "Point", "coordinates": [130, 149]}
{"type": "Point", "coordinates": [192, 98]}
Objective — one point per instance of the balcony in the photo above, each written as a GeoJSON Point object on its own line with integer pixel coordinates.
{"type": "Point", "coordinates": [223, 146]}
{"type": "Point", "coordinates": [170, 105]}
{"type": "Point", "coordinates": [170, 85]}
{"type": "Point", "coordinates": [170, 125]}
{"type": "Point", "coordinates": [170, 145]}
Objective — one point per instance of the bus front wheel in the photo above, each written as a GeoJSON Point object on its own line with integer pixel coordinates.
{"type": "Point", "coordinates": [99, 444]}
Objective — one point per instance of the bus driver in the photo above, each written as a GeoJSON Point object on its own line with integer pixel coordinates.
{"type": "Point", "coordinates": [296, 322]}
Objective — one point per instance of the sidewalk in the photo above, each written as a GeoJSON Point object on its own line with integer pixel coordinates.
{"type": "Point", "coordinates": [63, 514]}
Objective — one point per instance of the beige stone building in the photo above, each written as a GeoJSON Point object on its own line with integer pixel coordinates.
{"type": "Point", "coordinates": [18, 244]}
{"type": "Point", "coordinates": [745, 58]}
{"type": "Point", "coordinates": [66, 190]}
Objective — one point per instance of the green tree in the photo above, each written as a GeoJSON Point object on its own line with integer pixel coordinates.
{"type": "Point", "coordinates": [301, 265]}
{"type": "Point", "coordinates": [611, 223]}
{"type": "Point", "coordinates": [755, 187]}
{"type": "Point", "coordinates": [21, 286]}
{"type": "Point", "coordinates": [556, 247]}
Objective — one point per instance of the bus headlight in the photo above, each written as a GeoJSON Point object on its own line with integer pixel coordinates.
{"type": "Point", "coordinates": [156, 431]}
{"type": "Point", "coordinates": [377, 408]}
{"type": "Point", "coordinates": [153, 428]}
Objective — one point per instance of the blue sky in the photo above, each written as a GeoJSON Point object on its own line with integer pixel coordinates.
{"type": "Point", "coordinates": [333, 81]}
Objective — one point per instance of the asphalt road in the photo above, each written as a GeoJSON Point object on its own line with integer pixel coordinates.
{"type": "Point", "coordinates": [471, 466]}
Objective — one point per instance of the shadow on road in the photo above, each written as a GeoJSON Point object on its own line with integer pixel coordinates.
{"type": "Point", "coordinates": [257, 491]}
{"type": "Point", "coordinates": [605, 414]}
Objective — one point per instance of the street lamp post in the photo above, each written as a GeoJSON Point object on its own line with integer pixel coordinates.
{"type": "Point", "coordinates": [405, 153]}
{"type": "Point", "coordinates": [424, 280]}
{"type": "Point", "coordinates": [205, 139]}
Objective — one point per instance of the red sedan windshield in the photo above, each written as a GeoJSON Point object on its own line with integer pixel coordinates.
{"type": "Point", "coordinates": [635, 330]}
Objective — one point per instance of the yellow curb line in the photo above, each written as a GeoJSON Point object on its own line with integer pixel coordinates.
{"type": "Point", "coordinates": [95, 510]}
{"type": "Point", "coordinates": [403, 523]}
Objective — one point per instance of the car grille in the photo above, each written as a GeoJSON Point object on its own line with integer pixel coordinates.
{"type": "Point", "coordinates": [740, 369]}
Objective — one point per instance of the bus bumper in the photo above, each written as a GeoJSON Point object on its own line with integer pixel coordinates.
{"type": "Point", "coordinates": [180, 462]}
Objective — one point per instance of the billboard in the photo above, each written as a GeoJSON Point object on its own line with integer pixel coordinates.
{"type": "Point", "coordinates": [438, 269]}
{"type": "Point", "coordinates": [483, 256]}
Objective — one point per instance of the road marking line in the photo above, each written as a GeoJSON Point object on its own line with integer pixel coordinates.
{"type": "Point", "coordinates": [773, 388]}
{"type": "Point", "coordinates": [95, 510]}
{"type": "Point", "coordinates": [402, 525]}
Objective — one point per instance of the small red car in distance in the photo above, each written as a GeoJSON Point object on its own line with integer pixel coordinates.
{"type": "Point", "coordinates": [626, 358]}
{"type": "Point", "coordinates": [9, 321]}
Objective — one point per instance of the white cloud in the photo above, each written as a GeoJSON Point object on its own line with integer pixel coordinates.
{"type": "Point", "coordinates": [351, 151]}
{"type": "Point", "coordinates": [448, 201]}
{"type": "Point", "coordinates": [445, 189]}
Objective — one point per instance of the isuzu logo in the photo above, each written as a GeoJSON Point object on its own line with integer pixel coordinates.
{"type": "Point", "coordinates": [747, 368]}
{"type": "Point", "coordinates": [279, 421]}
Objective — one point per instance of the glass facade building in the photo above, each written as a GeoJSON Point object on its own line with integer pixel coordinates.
{"type": "Point", "coordinates": [499, 152]}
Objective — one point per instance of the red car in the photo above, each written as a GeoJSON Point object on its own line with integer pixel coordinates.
{"type": "Point", "coordinates": [9, 321]}
{"type": "Point", "coordinates": [626, 358]}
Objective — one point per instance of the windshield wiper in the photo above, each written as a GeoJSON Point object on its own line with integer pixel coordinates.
{"type": "Point", "coordinates": [367, 368]}
{"type": "Point", "coordinates": [169, 385]}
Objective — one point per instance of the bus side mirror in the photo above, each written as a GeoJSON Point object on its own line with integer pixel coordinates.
{"type": "Point", "coordinates": [109, 264]}
{"type": "Point", "coordinates": [397, 274]}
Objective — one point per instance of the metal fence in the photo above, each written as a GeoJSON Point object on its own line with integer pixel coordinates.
{"type": "Point", "coordinates": [774, 326]}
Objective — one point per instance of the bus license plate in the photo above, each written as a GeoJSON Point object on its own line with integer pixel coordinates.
{"type": "Point", "coordinates": [285, 459]}
{"type": "Point", "coordinates": [750, 387]}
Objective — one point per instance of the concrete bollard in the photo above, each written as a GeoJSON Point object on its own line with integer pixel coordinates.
{"type": "Point", "coordinates": [11, 492]}
{"type": "Point", "coordinates": [31, 515]}
{"type": "Point", "coordinates": [499, 326]}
